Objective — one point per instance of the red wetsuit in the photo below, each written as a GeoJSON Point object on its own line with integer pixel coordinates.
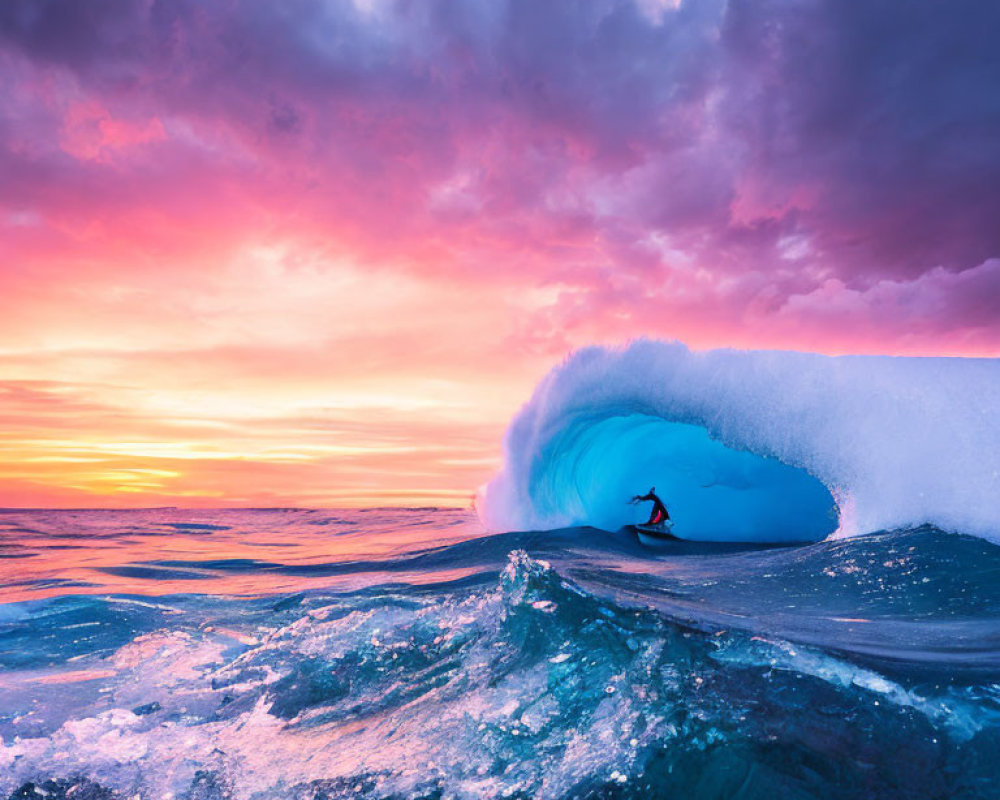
{"type": "Point", "coordinates": [660, 513]}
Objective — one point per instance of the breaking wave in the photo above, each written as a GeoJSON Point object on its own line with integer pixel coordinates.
{"type": "Point", "coordinates": [755, 446]}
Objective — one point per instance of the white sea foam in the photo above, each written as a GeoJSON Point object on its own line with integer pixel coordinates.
{"type": "Point", "coordinates": [895, 441]}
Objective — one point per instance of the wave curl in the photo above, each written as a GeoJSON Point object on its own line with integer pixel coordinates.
{"type": "Point", "coordinates": [755, 445]}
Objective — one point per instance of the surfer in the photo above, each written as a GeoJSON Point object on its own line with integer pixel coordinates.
{"type": "Point", "coordinates": [659, 514]}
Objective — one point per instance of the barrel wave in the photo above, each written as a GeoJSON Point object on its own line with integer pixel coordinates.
{"type": "Point", "coordinates": [755, 445]}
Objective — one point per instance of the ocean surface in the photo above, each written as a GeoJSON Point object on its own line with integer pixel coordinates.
{"type": "Point", "coordinates": [387, 653]}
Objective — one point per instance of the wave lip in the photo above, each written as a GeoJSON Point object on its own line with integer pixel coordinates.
{"type": "Point", "coordinates": [755, 445]}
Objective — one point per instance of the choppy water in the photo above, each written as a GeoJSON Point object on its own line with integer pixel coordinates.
{"type": "Point", "coordinates": [394, 653]}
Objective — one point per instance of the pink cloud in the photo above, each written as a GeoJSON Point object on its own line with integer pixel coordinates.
{"type": "Point", "coordinates": [90, 132]}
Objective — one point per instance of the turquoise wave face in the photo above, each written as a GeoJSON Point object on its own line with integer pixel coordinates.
{"type": "Point", "coordinates": [713, 492]}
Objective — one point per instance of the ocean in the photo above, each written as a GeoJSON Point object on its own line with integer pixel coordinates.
{"type": "Point", "coordinates": [411, 653]}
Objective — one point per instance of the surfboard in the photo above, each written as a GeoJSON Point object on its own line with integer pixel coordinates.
{"type": "Point", "coordinates": [653, 535]}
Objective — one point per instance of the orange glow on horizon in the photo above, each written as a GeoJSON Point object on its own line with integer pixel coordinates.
{"type": "Point", "coordinates": [304, 383]}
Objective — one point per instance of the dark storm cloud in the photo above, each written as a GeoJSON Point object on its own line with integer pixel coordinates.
{"type": "Point", "coordinates": [891, 109]}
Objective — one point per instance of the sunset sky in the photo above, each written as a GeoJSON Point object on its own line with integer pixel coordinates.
{"type": "Point", "coordinates": [317, 253]}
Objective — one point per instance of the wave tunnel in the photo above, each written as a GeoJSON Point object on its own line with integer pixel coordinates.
{"type": "Point", "coordinates": [713, 492]}
{"type": "Point", "coordinates": [754, 446]}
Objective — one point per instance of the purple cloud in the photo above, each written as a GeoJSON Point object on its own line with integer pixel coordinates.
{"type": "Point", "coordinates": [612, 147]}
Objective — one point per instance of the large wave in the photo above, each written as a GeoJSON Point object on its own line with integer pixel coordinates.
{"type": "Point", "coordinates": [755, 445]}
